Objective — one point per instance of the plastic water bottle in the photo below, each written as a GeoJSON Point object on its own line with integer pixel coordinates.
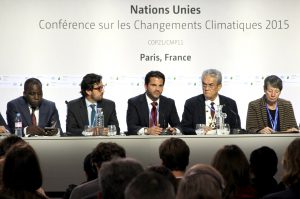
{"type": "Point", "coordinates": [100, 120]}
{"type": "Point", "coordinates": [18, 125]}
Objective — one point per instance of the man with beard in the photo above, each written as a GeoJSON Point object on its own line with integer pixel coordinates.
{"type": "Point", "coordinates": [36, 112]}
{"type": "Point", "coordinates": [151, 113]}
{"type": "Point", "coordinates": [80, 111]}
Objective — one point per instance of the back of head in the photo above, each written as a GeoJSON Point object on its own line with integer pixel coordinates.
{"type": "Point", "coordinates": [201, 181]}
{"type": "Point", "coordinates": [263, 162]}
{"type": "Point", "coordinates": [7, 142]}
{"type": "Point", "coordinates": [167, 173]}
{"type": "Point", "coordinates": [174, 153]}
{"type": "Point", "coordinates": [106, 151]}
{"type": "Point", "coordinates": [232, 163]}
{"type": "Point", "coordinates": [89, 168]}
{"type": "Point", "coordinates": [291, 163]}
{"type": "Point", "coordinates": [21, 169]}
{"type": "Point", "coordinates": [150, 185]}
{"type": "Point", "coordinates": [88, 82]}
{"type": "Point", "coordinates": [116, 175]}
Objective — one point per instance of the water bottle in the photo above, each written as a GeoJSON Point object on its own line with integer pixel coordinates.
{"type": "Point", "coordinates": [100, 120]}
{"type": "Point", "coordinates": [18, 125]}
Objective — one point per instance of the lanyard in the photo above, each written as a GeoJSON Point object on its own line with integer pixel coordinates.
{"type": "Point", "coordinates": [273, 122]}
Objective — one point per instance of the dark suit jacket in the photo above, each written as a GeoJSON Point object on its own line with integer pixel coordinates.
{"type": "Point", "coordinates": [292, 192]}
{"type": "Point", "coordinates": [77, 115]}
{"type": "Point", "coordinates": [138, 113]}
{"type": "Point", "coordinates": [194, 113]}
{"type": "Point", "coordinates": [47, 113]}
{"type": "Point", "coordinates": [257, 117]}
{"type": "Point", "coordinates": [3, 123]}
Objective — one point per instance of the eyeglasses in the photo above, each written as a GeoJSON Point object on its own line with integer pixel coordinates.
{"type": "Point", "coordinates": [210, 86]}
{"type": "Point", "coordinates": [100, 88]}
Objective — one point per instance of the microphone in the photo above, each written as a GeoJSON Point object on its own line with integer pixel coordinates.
{"type": "Point", "coordinates": [236, 129]}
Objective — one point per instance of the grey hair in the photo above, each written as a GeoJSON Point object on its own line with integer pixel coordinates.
{"type": "Point", "coordinates": [214, 73]}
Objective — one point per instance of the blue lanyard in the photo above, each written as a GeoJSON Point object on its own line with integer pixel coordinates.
{"type": "Point", "coordinates": [275, 121]}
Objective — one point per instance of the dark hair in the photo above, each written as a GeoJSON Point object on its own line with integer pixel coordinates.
{"type": "Point", "coordinates": [31, 81]}
{"type": "Point", "coordinates": [149, 185]}
{"type": "Point", "coordinates": [167, 173]}
{"type": "Point", "coordinates": [273, 81]}
{"type": "Point", "coordinates": [21, 170]}
{"type": "Point", "coordinates": [201, 181]}
{"type": "Point", "coordinates": [7, 142]}
{"type": "Point", "coordinates": [232, 163]}
{"type": "Point", "coordinates": [106, 151]}
{"type": "Point", "coordinates": [156, 74]}
{"type": "Point", "coordinates": [174, 153]}
{"type": "Point", "coordinates": [291, 163]}
{"type": "Point", "coordinates": [263, 162]}
{"type": "Point", "coordinates": [89, 168]}
{"type": "Point", "coordinates": [115, 175]}
{"type": "Point", "coordinates": [88, 82]}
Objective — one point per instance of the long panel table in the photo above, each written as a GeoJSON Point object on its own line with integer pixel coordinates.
{"type": "Point", "coordinates": [61, 158]}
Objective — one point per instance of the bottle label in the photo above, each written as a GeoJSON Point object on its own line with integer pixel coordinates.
{"type": "Point", "coordinates": [18, 125]}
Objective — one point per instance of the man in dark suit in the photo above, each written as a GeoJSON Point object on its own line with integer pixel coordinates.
{"type": "Point", "coordinates": [3, 127]}
{"type": "Point", "coordinates": [201, 108]}
{"type": "Point", "coordinates": [79, 111]}
{"type": "Point", "coordinates": [36, 112]}
{"type": "Point", "coordinates": [150, 113]}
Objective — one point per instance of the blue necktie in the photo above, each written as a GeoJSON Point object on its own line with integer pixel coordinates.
{"type": "Point", "coordinates": [93, 113]}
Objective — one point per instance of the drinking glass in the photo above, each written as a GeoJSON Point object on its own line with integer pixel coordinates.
{"type": "Point", "coordinates": [112, 130]}
{"type": "Point", "coordinates": [200, 129]}
{"type": "Point", "coordinates": [88, 130]}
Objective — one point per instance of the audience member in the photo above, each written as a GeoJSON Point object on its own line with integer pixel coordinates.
{"type": "Point", "coordinates": [232, 163]}
{"type": "Point", "coordinates": [81, 112]}
{"type": "Point", "coordinates": [36, 112]}
{"type": "Point", "coordinates": [263, 166]}
{"type": "Point", "coordinates": [271, 113]}
{"type": "Point", "coordinates": [102, 153]}
{"type": "Point", "coordinates": [201, 108]}
{"type": "Point", "coordinates": [5, 145]}
{"type": "Point", "coordinates": [201, 181]}
{"type": "Point", "coordinates": [3, 126]}
{"type": "Point", "coordinates": [150, 113]}
{"type": "Point", "coordinates": [90, 172]}
{"type": "Point", "coordinates": [116, 175]}
{"type": "Point", "coordinates": [175, 153]}
{"type": "Point", "coordinates": [167, 173]}
{"type": "Point", "coordinates": [22, 176]}
{"type": "Point", "coordinates": [291, 178]}
{"type": "Point", "coordinates": [149, 185]}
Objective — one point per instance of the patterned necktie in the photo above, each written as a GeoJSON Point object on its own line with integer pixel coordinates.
{"type": "Point", "coordinates": [33, 118]}
{"type": "Point", "coordinates": [153, 121]}
{"type": "Point", "coordinates": [212, 110]}
{"type": "Point", "coordinates": [93, 113]}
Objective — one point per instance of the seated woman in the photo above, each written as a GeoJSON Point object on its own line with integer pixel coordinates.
{"type": "Point", "coordinates": [22, 175]}
{"type": "Point", "coordinates": [232, 163]}
{"type": "Point", "coordinates": [270, 113]}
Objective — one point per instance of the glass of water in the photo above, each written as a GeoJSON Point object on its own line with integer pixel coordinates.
{"type": "Point", "coordinates": [200, 129]}
{"type": "Point", "coordinates": [112, 130]}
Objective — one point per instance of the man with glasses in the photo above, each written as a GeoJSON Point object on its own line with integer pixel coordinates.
{"type": "Point", "coordinates": [201, 108]}
{"type": "Point", "coordinates": [39, 116]}
{"type": "Point", "coordinates": [81, 111]}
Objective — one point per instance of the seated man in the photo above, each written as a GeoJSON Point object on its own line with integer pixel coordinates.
{"type": "Point", "coordinates": [3, 126]}
{"type": "Point", "coordinates": [36, 112]}
{"type": "Point", "coordinates": [80, 111]}
{"type": "Point", "coordinates": [150, 113]}
{"type": "Point", "coordinates": [201, 108]}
